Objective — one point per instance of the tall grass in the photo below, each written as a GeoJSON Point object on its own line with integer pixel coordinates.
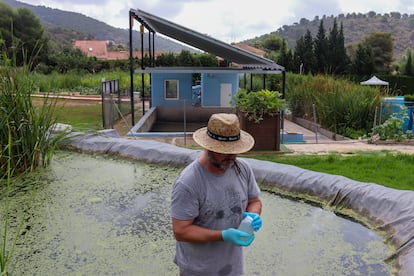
{"type": "Point", "coordinates": [6, 248]}
{"type": "Point", "coordinates": [29, 126]}
{"type": "Point", "coordinates": [84, 83]}
{"type": "Point", "coordinates": [341, 106]}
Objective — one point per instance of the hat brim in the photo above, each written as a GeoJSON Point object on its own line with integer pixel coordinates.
{"type": "Point", "coordinates": [244, 144]}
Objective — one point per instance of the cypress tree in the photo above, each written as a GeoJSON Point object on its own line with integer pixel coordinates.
{"type": "Point", "coordinates": [408, 65]}
{"type": "Point", "coordinates": [321, 50]}
{"type": "Point", "coordinates": [337, 58]}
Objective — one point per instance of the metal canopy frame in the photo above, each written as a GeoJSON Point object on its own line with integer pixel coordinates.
{"type": "Point", "coordinates": [245, 61]}
{"type": "Point", "coordinates": [203, 42]}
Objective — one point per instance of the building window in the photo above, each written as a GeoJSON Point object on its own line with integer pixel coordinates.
{"type": "Point", "coordinates": [171, 89]}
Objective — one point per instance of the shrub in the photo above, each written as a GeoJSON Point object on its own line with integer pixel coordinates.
{"type": "Point", "coordinates": [256, 104]}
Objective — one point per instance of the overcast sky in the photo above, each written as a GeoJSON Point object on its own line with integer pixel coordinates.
{"type": "Point", "coordinates": [226, 20]}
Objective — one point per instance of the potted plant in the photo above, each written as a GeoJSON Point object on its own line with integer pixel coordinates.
{"type": "Point", "coordinates": [259, 114]}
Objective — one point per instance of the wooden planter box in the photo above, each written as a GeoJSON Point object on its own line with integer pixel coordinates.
{"type": "Point", "coordinates": [266, 133]}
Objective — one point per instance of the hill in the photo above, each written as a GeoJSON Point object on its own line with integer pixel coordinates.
{"type": "Point", "coordinates": [356, 26]}
{"type": "Point", "coordinates": [64, 26]}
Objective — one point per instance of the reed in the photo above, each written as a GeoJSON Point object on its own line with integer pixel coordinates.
{"type": "Point", "coordinates": [30, 126]}
{"type": "Point", "coordinates": [341, 106]}
{"type": "Point", "coordinates": [84, 83]}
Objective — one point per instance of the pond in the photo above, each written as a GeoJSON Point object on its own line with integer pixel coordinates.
{"type": "Point", "coordinates": [94, 215]}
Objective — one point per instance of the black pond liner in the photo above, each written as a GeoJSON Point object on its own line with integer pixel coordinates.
{"type": "Point", "coordinates": [384, 209]}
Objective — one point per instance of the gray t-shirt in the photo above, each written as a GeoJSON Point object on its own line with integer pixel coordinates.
{"type": "Point", "coordinates": [214, 202]}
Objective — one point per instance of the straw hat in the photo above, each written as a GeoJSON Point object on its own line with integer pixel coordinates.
{"type": "Point", "coordinates": [223, 135]}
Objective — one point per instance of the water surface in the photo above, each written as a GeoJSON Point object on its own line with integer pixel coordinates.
{"type": "Point", "coordinates": [96, 215]}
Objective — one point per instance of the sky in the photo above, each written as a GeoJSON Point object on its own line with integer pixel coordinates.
{"type": "Point", "coordinates": [225, 20]}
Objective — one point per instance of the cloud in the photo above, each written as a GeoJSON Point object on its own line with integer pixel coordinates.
{"type": "Point", "coordinates": [227, 20]}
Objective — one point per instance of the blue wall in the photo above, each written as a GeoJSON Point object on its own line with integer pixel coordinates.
{"type": "Point", "coordinates": [184, 90]}
{"type": "Point", "coordinates": [211, 82]}
{"type": "Point", "coordinates": [210, 88]}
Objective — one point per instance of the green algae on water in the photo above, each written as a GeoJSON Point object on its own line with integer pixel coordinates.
{"type": "Point", "coordinates": [94, 215]}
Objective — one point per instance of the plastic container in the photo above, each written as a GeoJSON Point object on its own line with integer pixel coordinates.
{"type": "Point", "coordinates": [246, 226]}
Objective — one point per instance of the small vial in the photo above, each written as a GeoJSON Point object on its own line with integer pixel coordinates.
{"type": "Point", "coordinates": [246, 226]}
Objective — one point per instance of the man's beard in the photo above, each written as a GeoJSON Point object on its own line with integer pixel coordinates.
{"type": "Point", "coordinates": [219, 165]}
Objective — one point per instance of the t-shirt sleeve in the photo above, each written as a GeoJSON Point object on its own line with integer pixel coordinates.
{"type": "Point", "coordinates": [253, 189]}
{"type": "Point", "coordinates": [184, 203]}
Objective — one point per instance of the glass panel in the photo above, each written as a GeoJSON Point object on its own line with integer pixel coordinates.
{"type": "Point", "coordinates": [171, 89]}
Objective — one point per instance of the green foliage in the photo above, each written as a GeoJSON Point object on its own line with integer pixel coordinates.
{"type": "Point", "coordinates": [341, 106]}
{"type": "Point", "coordinates": [409, 98]}
{"type": "Point", "coordinates": [382, 46]}
{"type": "Point", "coordinates": [304, 56]}
{"type": "Point", "coordinates": [363, 63]}
{"type": "Point", "coordinates": [272, 43]}
{"type": "Point", "coordinates": [356, 26]}
{"type": "Point", "coordinates": [22, 34]}
{"type": "Point", "coordinates": [256, 104]}
{"type": "Point", "coordinates": [392, 128]}
{"type": "Point", "coordinates": [83, 83]}
{"type": "Point", "coordinates": [399, 84]}
{"type": "Point", "coordinates": [186, 58]}
{"type": "Point", "coordinates": [322, 55]}
{"type": "Point", "coordinates": [30, 127]}
{"type": "Point", "coordinates": [321, 49]}
{"type": "Point", "coordinates": [409, 66]}
{"type": "Point", "coordinates": [285, 58]}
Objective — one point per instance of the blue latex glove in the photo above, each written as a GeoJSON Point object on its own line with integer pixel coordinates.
{"type": "Point", "coordinates": [257, 220]}
{"type": "Point", "coordinates": [235, 236]}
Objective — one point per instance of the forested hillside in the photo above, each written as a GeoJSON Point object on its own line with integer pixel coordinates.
{"type": "Point", "coordinates": [64, 26]}
{"type": "Point", "coordinates": [356, 26]}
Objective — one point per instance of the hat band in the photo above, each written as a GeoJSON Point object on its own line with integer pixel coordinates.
{"type": "Point", "coordinates": [223, 138]}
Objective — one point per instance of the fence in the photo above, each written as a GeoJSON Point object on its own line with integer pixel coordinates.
{"type": "Point", "coordinates": [116, 103]}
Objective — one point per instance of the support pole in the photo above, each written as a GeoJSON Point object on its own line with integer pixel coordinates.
{"type": "Point", "coordinates": [142, 67]}
{"type": "Point", "coordinates": [315, 121]}
{"type": "Point", "coordinates": [131, 68]}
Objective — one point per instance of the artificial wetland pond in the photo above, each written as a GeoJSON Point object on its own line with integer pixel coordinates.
{"type": "Point", "coordinates": [94, 214]}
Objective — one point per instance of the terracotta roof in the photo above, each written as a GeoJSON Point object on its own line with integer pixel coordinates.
{"type": "Point", "coordinates": [250, 49]}
{"type": "Point", "coordinates": [99, 49]}
{"type": "Point", "coordinates": [92, 48]}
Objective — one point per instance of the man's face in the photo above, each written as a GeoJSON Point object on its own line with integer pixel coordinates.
{"type": "Point", "coordinates": [221, 161]}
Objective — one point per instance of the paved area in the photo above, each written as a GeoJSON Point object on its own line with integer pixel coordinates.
{"type": "Point", "coordinates": [320, 144]}
{"type": "Point", "coordinates": [314, 144]}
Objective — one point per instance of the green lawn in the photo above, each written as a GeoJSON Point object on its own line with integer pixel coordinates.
{"type": "Point", "coordinates": [81, 117]}
{"type": "Point", "coordinates": [384, 168]}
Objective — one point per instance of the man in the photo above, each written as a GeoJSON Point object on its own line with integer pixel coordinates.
{"type": "Point", "coordinates": [209, 199]}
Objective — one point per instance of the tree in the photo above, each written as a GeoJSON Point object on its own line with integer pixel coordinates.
{"type": "Point", "coordinates": [185, 58]}
{"type": "Point", "coordinates": [304, 59]}
{"type": "Point", "coordinates": [22, 33]}
{"type": "Point", "coordinates": [272, 43]}
{"type": "Point", "coordinates": [338, 60]}
{"type": "Point", "coordinates": [321, 49]}
{"type": "Point", "coordinates": [408, 66]}
{"type": "Point", "coordinates": [382, 49]}
{"type": "Point", "coordinates": [285, 57]}
{"type": "Point", "coordinates": [363, 63]}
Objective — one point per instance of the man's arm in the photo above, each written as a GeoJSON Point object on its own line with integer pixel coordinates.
{"type": "Point", "coordinates": [254, 205]}
{"type": "Point", "coordinates": [185, 230]}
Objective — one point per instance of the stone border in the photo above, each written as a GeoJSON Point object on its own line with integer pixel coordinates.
{"type": "Point", "coordinates": [387, 210]}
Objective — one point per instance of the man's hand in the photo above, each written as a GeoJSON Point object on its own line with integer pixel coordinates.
{"type": "Point", "coordinates": [257, 220]}
{"type": "Point", "coordinates": [237, 237]}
